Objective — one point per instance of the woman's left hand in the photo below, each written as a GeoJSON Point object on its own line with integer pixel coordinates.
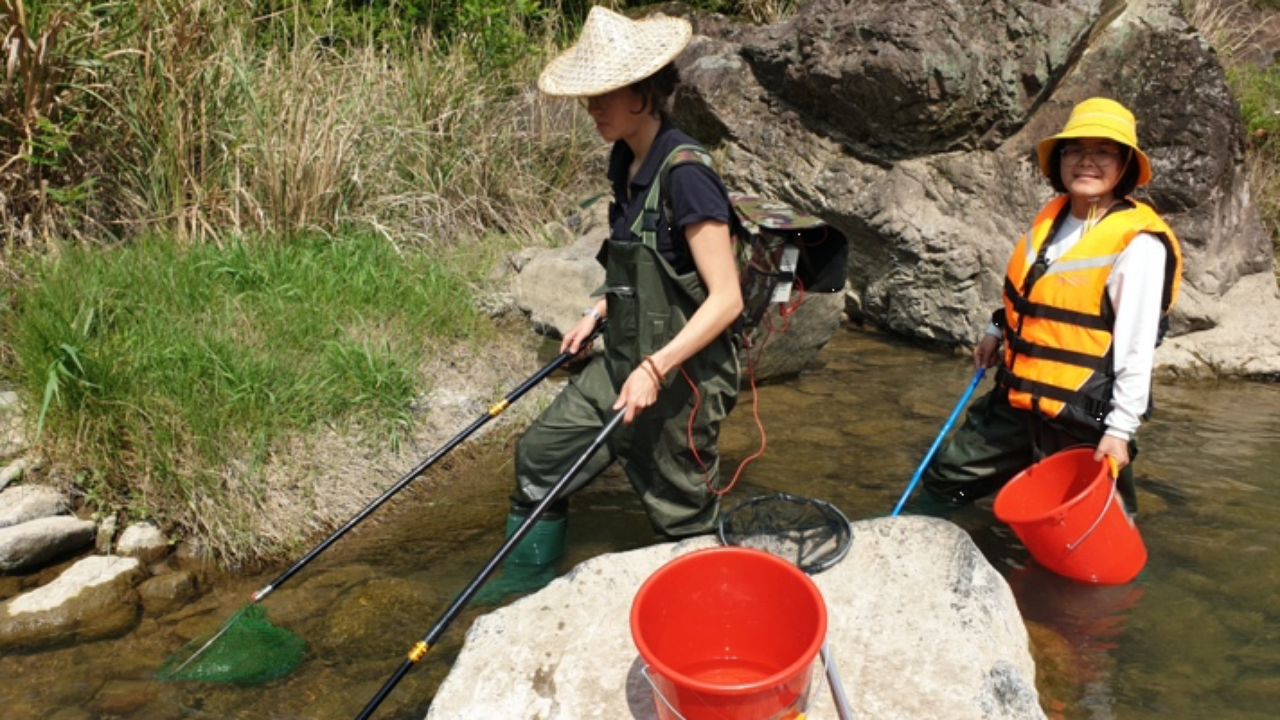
{"type": "Point", "coordinates": [1115, 447]}
{"type": "Point", "coordinates": [637, 393]}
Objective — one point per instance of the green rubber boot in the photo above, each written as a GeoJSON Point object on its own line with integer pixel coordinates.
{"type": "Point", "coordinates": [531, 565]}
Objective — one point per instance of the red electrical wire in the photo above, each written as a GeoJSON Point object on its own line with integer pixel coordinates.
{"type": "Point", "coordinates": [784, 311]}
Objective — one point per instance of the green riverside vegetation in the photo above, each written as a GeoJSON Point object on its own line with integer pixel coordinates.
{"type": "Point", "coordinates": [230, 225]}
{"type": "Point", "coordinates": [156, 364]}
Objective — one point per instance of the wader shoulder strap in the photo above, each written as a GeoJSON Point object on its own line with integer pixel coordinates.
{"type": "Point", "coordinates": [646, 225]}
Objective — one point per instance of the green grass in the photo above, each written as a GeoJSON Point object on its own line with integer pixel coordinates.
{"type": "Point", "coordinates": [1257, 89]}
{"type": "Point", "coordinates": [212, 123]}
{"type": "Point", "coordinates": [1236, 29]}
{"type": "Point", "coordinates": [157, 367]}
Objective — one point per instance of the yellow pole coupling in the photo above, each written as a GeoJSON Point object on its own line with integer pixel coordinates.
{"type": "Point", "coordinates": [418, 652]}
{"type": "Point", "coordinates": [499, 407]}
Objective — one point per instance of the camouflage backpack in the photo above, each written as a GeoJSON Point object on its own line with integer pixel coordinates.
{"type": "Point", "coordinates": [781, 252]}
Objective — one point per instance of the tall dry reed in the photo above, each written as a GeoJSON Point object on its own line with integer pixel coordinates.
{"type": "Point", "coordinates": [194, 127]}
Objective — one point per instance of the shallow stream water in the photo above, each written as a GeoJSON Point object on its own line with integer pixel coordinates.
{"type": "Point", "coordinates": [1196, 636]}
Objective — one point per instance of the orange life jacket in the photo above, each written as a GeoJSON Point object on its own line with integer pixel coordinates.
{"type": "Point", "coordinates": [1058, 345]}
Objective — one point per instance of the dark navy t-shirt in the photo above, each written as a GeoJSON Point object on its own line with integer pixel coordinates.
{"type": "Point", "coordinates": [696, 194]}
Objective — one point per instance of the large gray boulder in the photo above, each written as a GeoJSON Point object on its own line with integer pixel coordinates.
{"type": "Point", "coordinates": [554, 286]}
{"type": "Point", "coordinates": [919, 625]}
{"type": "Point", "coordinates": [912, 129]}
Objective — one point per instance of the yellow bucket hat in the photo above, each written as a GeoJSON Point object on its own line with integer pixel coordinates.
{"type": "Point", "coordinates": [614, 51]}
{"type": "Point", "coordinates": [1099, 118]}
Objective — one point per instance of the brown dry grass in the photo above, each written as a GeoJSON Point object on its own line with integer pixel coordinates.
{"type": "Point", "coordinates": [182, 124]}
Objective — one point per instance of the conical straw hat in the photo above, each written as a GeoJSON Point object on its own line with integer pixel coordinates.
{"type": "Point", "coordinates": [614, 51]}
{"type": "Point", "coordinates": [1099, 118]}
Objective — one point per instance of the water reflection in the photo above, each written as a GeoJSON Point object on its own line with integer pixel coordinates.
{"type": "Point", "coordinates": [1197, 635]}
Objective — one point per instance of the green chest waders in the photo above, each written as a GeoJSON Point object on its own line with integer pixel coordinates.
{"type": "Point", "coordinates": [648, 304]}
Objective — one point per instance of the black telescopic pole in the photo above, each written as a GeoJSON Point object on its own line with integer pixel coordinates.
{"type": "Point", "coordinates": [423, 646]}
{"type": "Point", "coordinates": [494, 411]}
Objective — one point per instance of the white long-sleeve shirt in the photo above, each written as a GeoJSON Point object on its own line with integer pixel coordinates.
{"type": "Point", "coordinates": [1136, 289]}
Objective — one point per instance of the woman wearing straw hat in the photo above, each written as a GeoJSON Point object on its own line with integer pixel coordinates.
{"type": "Point", "coordinates": [670, 301]}
{"type": "Point", "coordinates": [1085, 296]}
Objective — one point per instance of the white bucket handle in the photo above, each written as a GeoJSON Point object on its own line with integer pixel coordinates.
{"type": "Point", "coordinates": [803, 711]}
{"type": "Point", "coordinates": [658, 693]}
{"type": "Point", "coordinates": [1098, 520]}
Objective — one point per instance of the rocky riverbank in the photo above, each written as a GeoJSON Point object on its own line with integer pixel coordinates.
{"type": "Point", "coordinates": [69, 574]}
{"type": "Point", "coordinates": [69, 577]}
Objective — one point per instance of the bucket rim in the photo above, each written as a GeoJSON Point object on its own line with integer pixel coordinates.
{"type": "Point", "coordinates": [1002, 512]}
{"type": "Point", "coordinates": [803, 663]}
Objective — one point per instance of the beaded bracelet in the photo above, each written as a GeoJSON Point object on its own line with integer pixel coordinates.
{"type": "Point", "coordinates": [653, 367]}
{"type": "Point", "coordinates": [652, 377]}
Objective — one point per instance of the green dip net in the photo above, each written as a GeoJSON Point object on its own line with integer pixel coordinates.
{"type": "Point", "coordinates": [246, 650]}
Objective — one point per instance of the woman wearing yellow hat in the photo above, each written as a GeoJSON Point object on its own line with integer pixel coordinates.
{"type": "Point", "coordinates": [671, 296]}
{"type": "Point", "coordinates": [1086, 292]}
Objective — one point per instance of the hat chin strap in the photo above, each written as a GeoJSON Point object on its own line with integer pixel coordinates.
{"type": "Point", "coordinates": [1091, 218]}
{"type": "Point", "coordinates": [1095, 215]}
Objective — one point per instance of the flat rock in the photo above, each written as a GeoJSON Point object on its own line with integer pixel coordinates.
{"type": "Point", "coordinates": [168, 592]}
{"type": "Point", "coordinates": [919, 625]}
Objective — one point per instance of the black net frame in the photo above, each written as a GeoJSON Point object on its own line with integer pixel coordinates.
{"type": "Point", "coordinates": [811, 534]}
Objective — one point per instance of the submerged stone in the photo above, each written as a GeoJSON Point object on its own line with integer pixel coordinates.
{"type": "Point", "coordinates": [93, 599]}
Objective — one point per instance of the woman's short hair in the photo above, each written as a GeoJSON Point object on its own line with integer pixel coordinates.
{"type": "Point", "coordinates": [657, 89]}
{"type": "Point", "coordinates": [1125, 186]}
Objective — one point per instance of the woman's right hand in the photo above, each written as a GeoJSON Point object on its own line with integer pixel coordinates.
{"type": "Point", "coordinates": [581, 330]}
{"type": "Point", "coordinates": [987, 353]}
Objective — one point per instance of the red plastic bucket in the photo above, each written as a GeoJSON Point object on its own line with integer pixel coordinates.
{"type": "Point", "coordinates": [729, 633]}
{"type": "Point", "coordinates": [1067, 512]}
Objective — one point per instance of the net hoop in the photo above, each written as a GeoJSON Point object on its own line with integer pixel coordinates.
{"type": "Point", "coordinates": [812, 534]}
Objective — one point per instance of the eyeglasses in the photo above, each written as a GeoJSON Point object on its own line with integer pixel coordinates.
{"type": "Point", "coordinates": [596, 100]}
{"type": "Point", "coordinates": [599, 100]}
{"type": "Point", "coordinates": [1103, 157]}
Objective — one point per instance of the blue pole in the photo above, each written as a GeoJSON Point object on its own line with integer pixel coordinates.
{"type": "Point", "coordinates": [964, 400]}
